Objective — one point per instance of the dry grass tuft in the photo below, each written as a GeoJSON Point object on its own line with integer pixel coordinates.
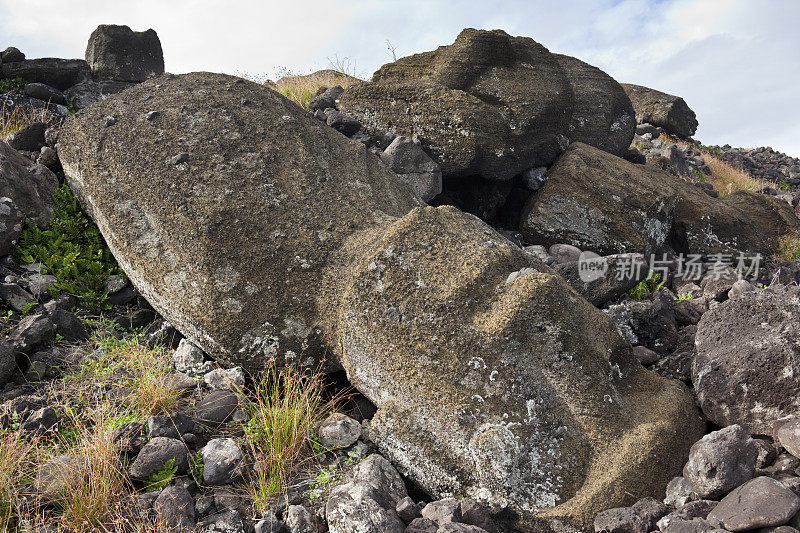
{"type": "Point", "coordinates": [788, 248]}
{"type": "Point", "coordinates": [92, 494]}
{"type": "Point", "coordinates": [300, 89]}
{"type": "Point", "coordinates": [286, 409]}
{"type": "Point", "coordinates": [15, 118]}
{"type": "Point", "coordinates": [15, 457]}
{"type": "Point", "coordinates": [145, 371]}
{"type": "Point", "coordinates": [725, 178]}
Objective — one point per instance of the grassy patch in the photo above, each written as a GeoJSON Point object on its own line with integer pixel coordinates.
{"type": "Point", "coordinates": [788, 248]}
{"type": "Point", "coordinates": [300, 89]}
{"type": "Point", "coordinates": [72, 250]}
{"type": "Point", "coordinates": [284, 412]}
{"type": "Point", "coordinates": [642, 289]}
{"type": "Point", "coordinates": [16, 118]}
{"type": "Point", "coordinates": [12, 85]}
{"type": "Point", "coordinates": [145, 371]}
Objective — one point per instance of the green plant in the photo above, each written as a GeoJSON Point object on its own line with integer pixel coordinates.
{"type": "Point", "coordinates": [638, 146]}
{"type": "Point", "coordinates": [788, 247]}
{"type": "Point", "coordinates": [784, 186]}
{"type": "Point", "coordinates": [699, 174]}
{"type": "Point", "coordinates": [642, 289]}
{"type": "Point", "coordinates": [160, 479]}
{"type": "Point", "coordinates": [12, 85]}
{"type": "Point", "coordinates": [29, 307]}
{"type": "Point", "coordinates": [685, 296]}
{"type": "Point", "coordinates": [285, 408]}
{"type": "Point", "coordinates": [71, 106]}
{"type": "Point", "coordinates": [72, 250]}
{"type": "Point", "coordinates": [196, 467]}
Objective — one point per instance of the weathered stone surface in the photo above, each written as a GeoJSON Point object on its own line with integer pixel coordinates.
{"type": "Point", "coordinates": [600, 203]}
{"type": "Point", "coordinates": [29, 138]}
{"type": "Point", "coordinates": [29, 185]}
{"type": "Point", "coordinates": [120, 54]}
{"type": "Point", "coordinates": [470, 453]}
{"type": "Point", "coordinates": [44, 92]}
{"type": "Point", "coordinates": [339, 431]}
{"type": "Point", "coordinates": [223, 462]}
{"type": "Point", "coordinates": [174, 510]}
{"type": "Point", "coordinates": [156, 453]}
{"type": "Point", "coordinates": [414, 167]}
{"type": "Point", "coordinates": [11, 223]}
{"type": "Point", "coordinates": [720, 462]}
{"type": "Point", "coordinates": [367, 503]}
{"type": "Point", "coordinates": [600, 279]}
{"type": "Point", "coordinates": [761, 502]}
{"type": "Point", "coordinates": [58, 73]}
{"type": "Point", "coordinates": [555, 423]}
{"type": "Point", "coordinates": [302, 190]}
{"type": "Point", "coordinates": [603, 116]}
{"type": "Point", "coordinates": [489, 104]}
{"type": "Point", "coordinates": [8, 363]}
{"type": "Point", "coordinates": [604, 204]}
{"type": "Point", "coordinates": [88, 92]}
{"type": "Point", "coordinates": [747, 368]}
{"type": "Point", "coordinates": [788, 435]}
{"type": "Point", "coordinates": [662, 110]}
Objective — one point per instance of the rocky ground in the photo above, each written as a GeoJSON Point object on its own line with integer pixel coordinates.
{"type": "Point", "coordinates": [592, 328]}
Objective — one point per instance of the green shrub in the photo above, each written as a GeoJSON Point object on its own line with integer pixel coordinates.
{"type": "Point", "coordinates": [72, 250]}
{"type": "Point", "coordinates": [642, 289]}
{"type": "Point", "coordinates": [12, 85]}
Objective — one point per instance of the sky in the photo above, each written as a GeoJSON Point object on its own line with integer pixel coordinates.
{"type": "Point", "coordinates": [735, 62]}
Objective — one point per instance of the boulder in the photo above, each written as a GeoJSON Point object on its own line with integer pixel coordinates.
{"type": "Point", "coordinates": [44, 92]}
{"type": "Point", "coordinates": [223, 462]}
{"type": "Point", "coordinates": [326, 99]}
{"type": "Point", "coordinates": [467, 451]}
{"type": "Point", "coordinates": [303, 190]}
{"type": "Point", "coordinates": [604, 204]}
{"type": "Point", "coordinates": [414, 167]}
{"type": "Point", "coordinates": [601, 279]}
{"type": "Point", "coordinates": [720, 462]}
{"type": "Point", "coordinates": [11, 223]}
{"type": "Point", "coordinates": [603, 115]}
{"type": "Point", "coordinates": [339, 431]}
{"type": "Point", "coordinates": [156, 454]}
{"type": "Point", "coordinates": [174, 510]}
{"type": "Point", "coordinates": [88, 92]}
{"type": "Point", "coordinates": [60, 74]}
{"type": "Point", "coordinates": [601, 203]}
{"type": "Point", "coordinates": [117, 53]}
{"type": "Point", "coordinates": [29, 185]}
{"type": "Point", "coordinates": [11, 55]}
{"type": "Point", "coordinates": [554, 423]}
{"type": "Point", "coordinates": [8, 363]}
{"type": "Point", "coordinates": [29, 138]}
{"type": "Point", "coordinates": [662, 110]}
{"type": "Point", "coordinates": [761, 502]}
{"type": "Point", "coordinates": [747, 367]}
{"type": "Point", "coordinates": [489, 104]}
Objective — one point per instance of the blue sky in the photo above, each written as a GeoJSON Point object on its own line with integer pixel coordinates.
{"type": "Point", "coordinates": [735, 62]}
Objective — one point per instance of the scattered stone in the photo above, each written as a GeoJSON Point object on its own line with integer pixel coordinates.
{"type": "Point", "coordinates": [603, 279]}
{"type": "Point", "coordinates": [223, 462]}
{"type": "Point", "coordinates": [44, 92]}
{"type": "Point", "coordinates": [679, 492]}
{"type": "Point", "coordinates": [29, 138]}
{"type": "Point", "coordinates": [761, 502]}
{"type": "Point", "coordinates": [11, 224]}
{"type": "Point", "coordinates": [299, 520]}
{"type": "Point", "coordinates": [475, 514]}
{"type": "Point", "coordinates": [745, 371]}
{"type": "Point", "coordinates": [29, 186]}
{"type": "Point", "coordinates": [407, 510]}
{"type": "Point", "coordinates": [11, 55]}
{"type": "Point", "coordinates": [33, 333]}
{"type": "Point", "coordinates": [564, 253]}
{"type": "Point", "coordinates": [720, 462]}
{"type": "Point", "coordinates": [225, 522]}
{"type": "Point", "coordinates": [155, 454]}
{"type": "Point", "coordinates": [16, 297]}
{"type": "Point", "coordinates": [174, 510]}
{"type": "Point", "coordinates": [40, 422]}
{"type": "Point", "coordinates": [422, 525]}
{"type": "Point", "coordinates": [740, 287]}
{"type": "Point", "coordinates": [59, 475]}
{"type": "Point", "coordinates": [117, 53]}
{"type": "Point", "coordinates": [68, 325]}
{"type": "Point", "coordinates": [48, 157]}
{"type": "Point", "coordinates": [342, 123]}
{"type": "Point", "coordinates": [339, 431]}
{"type": "Point", "coordinates": [787, 433]}
{"type": "Point", "coordinates": [172, 425]}
{"type": "Point", "coordinates": [216, 408]}
{"type": "Point", "coordinates": [534, 178]}
{"type": "Point", "coordinates": [188, 358]}
{"type": "Point", "coordinates": [640, 518]}
{"type": "Point", "coordinates": [225, 379]}
{"type": "Point", "coordinates": [8, 363]}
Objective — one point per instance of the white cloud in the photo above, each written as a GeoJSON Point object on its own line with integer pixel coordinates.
{"type": "Point", "coordinates": [733, 61]}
